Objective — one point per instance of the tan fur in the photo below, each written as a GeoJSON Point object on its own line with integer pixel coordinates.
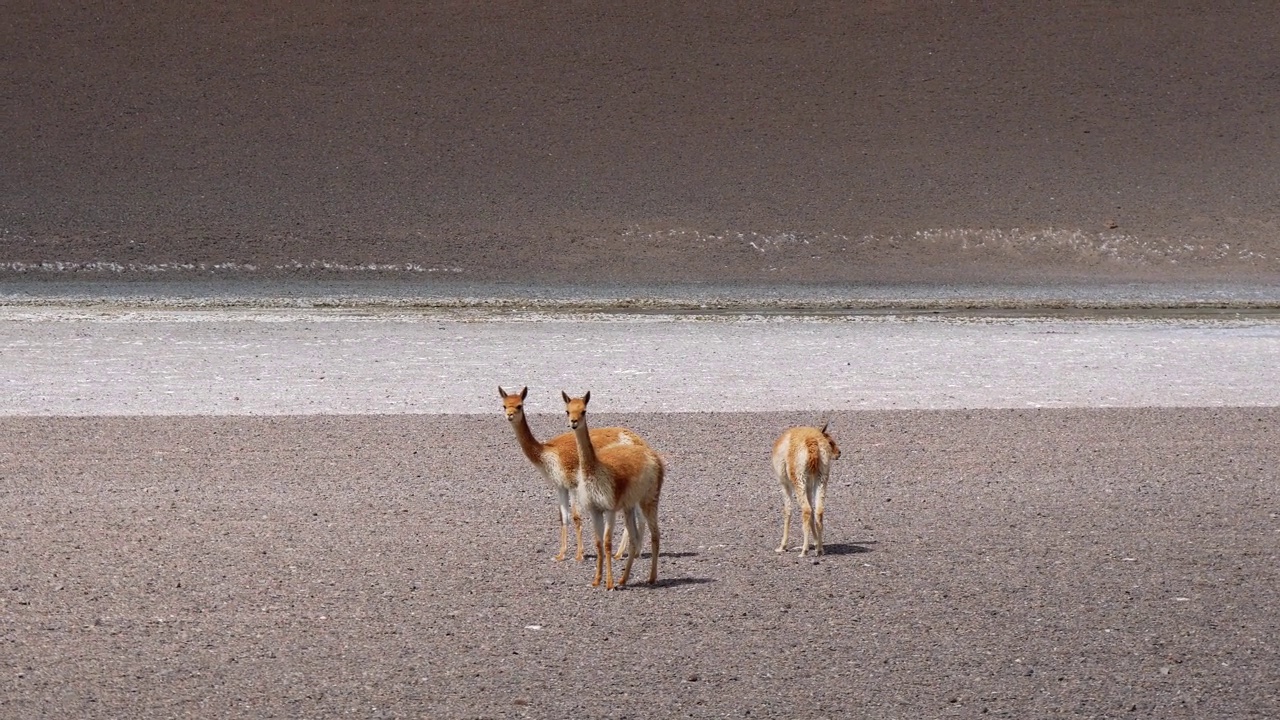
{"type": "Point", "coordinates": [620, 477]}
{"type": "Point", "coordinates": [801, 460]}
{"type": "Point", "coordinates": [557, 461]}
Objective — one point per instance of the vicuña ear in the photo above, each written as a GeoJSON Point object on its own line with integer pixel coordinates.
{"type": "Point", "coordinates": [524, 392]}
{"type": "Point", "coordinates": [565, 395]}
{"type": "Point", "coordinates": [586, 398]}
{"type": "Point", "coordinates": [502, 393]}
{"type": "Point", "coordinates": [824, 427]}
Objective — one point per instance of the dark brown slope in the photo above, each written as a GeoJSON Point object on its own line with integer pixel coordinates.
{"type": "Point", "coordinates": [648, 141]}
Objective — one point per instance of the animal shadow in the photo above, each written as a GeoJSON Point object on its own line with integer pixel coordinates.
{"type": "Point", "coordinates": [644, 556]}
{"type": "Point", "coordinates": [677, 582]}
{"type": "Point", "coordinates": [845, 548]}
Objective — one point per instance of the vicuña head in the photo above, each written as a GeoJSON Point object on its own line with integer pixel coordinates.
{"type": "Point", "coordinates": [513, 403]}
{"type": "Point", "coordinates": [835, 449]}
{"type": "Point", "coordinates": [620, 477]}
{"type": "Point", "coordinates": [802, 459]}
{"type": "Point", "coordinates": [576, 408]}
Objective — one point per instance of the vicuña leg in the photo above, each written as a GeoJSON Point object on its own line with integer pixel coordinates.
{"type": "Point", "coordinates": [629, 519]}
{"type": "Point", "coordinates": [626, 537]}
{"type": "Point", "coordinates": [566, 512]}
{"type": "Point", "coordinates": [577, 530]}
{"type": "Point", "coordinates": [607, 555]}
{"type": "Point", "coordinates": [806, 513]}
{"type": "Point", "coordinates": [819, 498]}
{"type": "Point", "coordinates": [651, 517]}
{"type": "Point", "coordinates": [597, 526]}
{"type": "Point", "coordinates": [786, 518]}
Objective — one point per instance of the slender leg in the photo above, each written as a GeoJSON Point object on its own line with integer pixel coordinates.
{"type": "Point", "coordinates": [626, 536]}
{"type": "Point", "coordinates": [564, 540]}
{"type": "Point", "coordinates": [806, 516]}
{"type": "Point", "coordinates": [607, 553]}
{"type": "Point", "coordinates": [651, 515]}
{"type": "Point", "coordinates": [597, 525]}
{"type": "Point", "coordinates": [622, 546]}
{"type": "Point", "coordinates": [786, 518]}
{"type": "Point", "coordinates": [577, 529]}
{"type": "Point", "coordinates": [619, 551]}
{"type": "Point", "coordinates": [819, 500]}
{"type": "Point", "coordinates": [629, 520]}
{"type": "Point", "coordinates": [563, 498]}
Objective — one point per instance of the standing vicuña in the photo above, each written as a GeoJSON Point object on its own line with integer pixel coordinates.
{"type": "Point", "coordinates": [621, 477]}
{"type": "Point", "coordinates": [557, 460]}
{"type": "Point", "coordinates": [802, 461]}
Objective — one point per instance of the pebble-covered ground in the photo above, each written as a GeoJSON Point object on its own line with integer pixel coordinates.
{"type": "Point", "coordinates": [1022, 563]}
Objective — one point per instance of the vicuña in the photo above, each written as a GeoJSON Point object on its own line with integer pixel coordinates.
{"type": "Point", "coordinates": [557, 460]}
{"type": "Point", "coordinates": [621, 477]}
{"type": "Point", "coordinates": [802, 461]}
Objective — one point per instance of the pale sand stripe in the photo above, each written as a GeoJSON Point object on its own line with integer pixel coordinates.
{"type": "Point", "coordinates": [312, 362]}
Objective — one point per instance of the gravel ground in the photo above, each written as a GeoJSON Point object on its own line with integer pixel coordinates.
{"type": "Point", "coordinates": [1025, 563]}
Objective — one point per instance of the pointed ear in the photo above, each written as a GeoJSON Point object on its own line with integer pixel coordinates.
{"type": "Point", "coordinates": [824, 427]}
{"type": "Point", "coordinates": [524, 392]}
{"type": "Point", "coordinates": [586, 398]}
{"type": "Point", "coordinates": [565, 395]}
{"type": "Point", "coordinates": [502, 393]}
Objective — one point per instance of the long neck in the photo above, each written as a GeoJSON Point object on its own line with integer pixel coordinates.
{"type": "Point", "coordinates": [528, 443]}
{"type": "Point", "coordinates": [586, 451]}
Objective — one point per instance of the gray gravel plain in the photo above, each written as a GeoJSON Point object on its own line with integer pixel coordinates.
{"type": "Point", "coordinates": [1019, 563]}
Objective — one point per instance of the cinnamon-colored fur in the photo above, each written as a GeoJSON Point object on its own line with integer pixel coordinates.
{"type": "Point", "coordinates": [802, 459]}
{"type": "Point", "coordinates": [620, 477]}
{"type": "Point", "coordinates": [557, 461]}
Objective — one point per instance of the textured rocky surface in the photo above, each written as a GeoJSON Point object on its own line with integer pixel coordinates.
{"type": "Point", "coordinates": [1047, 563]}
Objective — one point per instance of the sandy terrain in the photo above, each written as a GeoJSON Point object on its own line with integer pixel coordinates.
{"type": "Point", "coordinates": [1018, 563]}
